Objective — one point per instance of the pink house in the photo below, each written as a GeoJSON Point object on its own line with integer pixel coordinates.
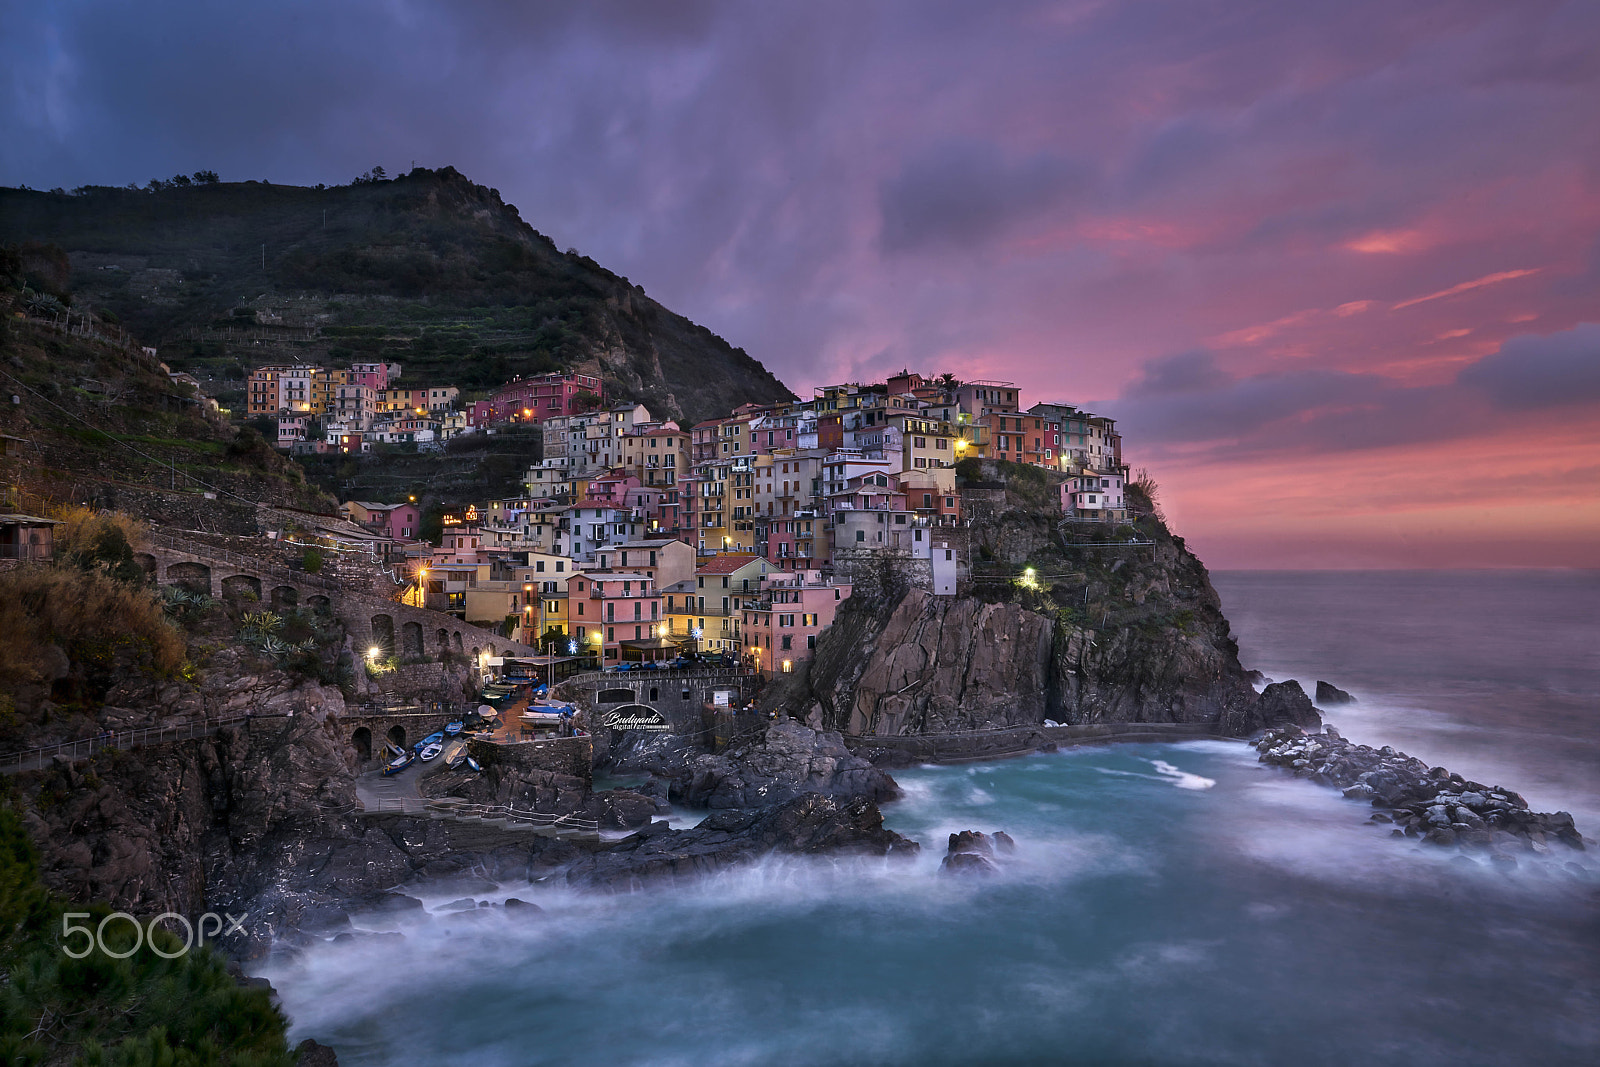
{"type": "Point", "coordinates": [781, 628]}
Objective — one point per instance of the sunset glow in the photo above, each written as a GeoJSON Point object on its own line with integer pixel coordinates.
{"type": "Point", "coordinates": [1335, 267]}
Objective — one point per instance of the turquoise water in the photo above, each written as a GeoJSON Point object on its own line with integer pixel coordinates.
{"type": "Point", "coordinates": [1166, 904]}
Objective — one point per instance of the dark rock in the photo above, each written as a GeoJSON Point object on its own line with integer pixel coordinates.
{"type": "Point", "coordinates": [1003, 842]}
{"type": "Point", "coordinates": [1425, 801]}
{"type": "Point", "coordinates": [970, 841]}
{"type": "Point", "coordinates": [310, 1054]}
{"type": "Point", "coordinates": [1329, 695]}
{"type": "Point", "coordinates": [464, 904]}
{"type": "Point", "coordinates": [811, 823]}
{"type": "Point", "coordinates": [623, 810]}
{"type": "Point", "coordinates": [390, 902]}
{"type": "Point", "coordinates": [513, 904]}
{"type": "Point", "coordinates": [968, 863]}
{"type": "Point", "coordinates": [1286, 702]}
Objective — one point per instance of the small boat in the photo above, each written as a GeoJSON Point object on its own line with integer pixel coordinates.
{"type": "Point", "coordinates": [452, 728]}
{"type": "Point", "coordinates": [454, 759]}
{"type": "Point", "coordinates": [395, 766]}
{"type": "Point", "coordinates": [394, 750]}
{"type": "Point", "coordinates": [473, 765]}
{"type": "Point", "coordinates": [431, 739]}
{"type": "Point", "coordinates": [430, 751]}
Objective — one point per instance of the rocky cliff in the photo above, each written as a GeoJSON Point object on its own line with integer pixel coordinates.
{"type": "Point", "coordinates": [1074, 623]}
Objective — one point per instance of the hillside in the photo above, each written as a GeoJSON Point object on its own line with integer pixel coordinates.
{"type": "Point", "coordinates": [97, 421]}
{"type": "Point", "coordinates": [428, 269]}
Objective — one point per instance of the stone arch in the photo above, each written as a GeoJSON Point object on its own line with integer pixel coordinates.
{"type": "Point", "coordinates": [146, 562]}
{"type": "Point", "coordinates": [655, 694]}
{"type": "Point", "coordinates": [458, 640]}
{"type": "Point", "coordinates": [362, 740]}
{"type": "Point", "coordinates": [319, 603]}
{"type": "Point", "coordinates": [383, 633]}
{"type": "Point", "coordinates": [285, 596]}
{"type": "Point", "coordinates": [195, 577]}
{"type": "Point", "coordinates": [397, 736]}
{"type": "Point", "coordinates": [444, 640]}
{"type": "Point", "coordinates": [411, 639]}
{"type": "Point", "coordinates": [241, 587]}
{"type": "Point", "coordinates": [474, 655]}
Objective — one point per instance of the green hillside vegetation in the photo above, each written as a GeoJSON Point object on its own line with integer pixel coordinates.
{"type": "Point", "coordinates": [104, 1012]}
{"type": "Point", "coordinates": [101, 422]}
{"type": "Point", "coordinates": [428, 269]}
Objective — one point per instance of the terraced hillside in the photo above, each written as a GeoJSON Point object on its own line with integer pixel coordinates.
{"type": "Point", "coordinates": [427, 269]}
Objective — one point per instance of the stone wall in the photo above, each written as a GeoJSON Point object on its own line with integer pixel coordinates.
{"type": "Point", "coordinates": [572, 756]}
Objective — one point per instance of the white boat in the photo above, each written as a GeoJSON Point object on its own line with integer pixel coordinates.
{"type": "Point", "coordinates": [430, 751]}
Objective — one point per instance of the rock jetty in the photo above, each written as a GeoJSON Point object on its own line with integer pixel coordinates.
{"type": "Point", "coordinates": [1421, 801]}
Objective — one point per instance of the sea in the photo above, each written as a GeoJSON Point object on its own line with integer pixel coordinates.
{"type": "Point", "coordinates": [1164, 904]}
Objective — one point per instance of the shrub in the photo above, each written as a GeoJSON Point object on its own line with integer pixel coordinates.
{"type": "Point", "coordinates": [87, 614]}
{"type": "Point", "coordinates": [98, 1010]}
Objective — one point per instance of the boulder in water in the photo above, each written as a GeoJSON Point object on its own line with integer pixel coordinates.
{"type": "Point", "coordinates": [1329, 695]}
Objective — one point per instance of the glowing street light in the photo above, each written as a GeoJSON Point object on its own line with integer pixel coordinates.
{"type": "Point", "coordinates": [372, 653]}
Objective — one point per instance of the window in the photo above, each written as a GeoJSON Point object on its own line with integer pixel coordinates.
{"type": "Point", "coordinates": [786, 642]}
{"type": "Point", "coordinates": [861, 535]}
{"type": "Point", "coordinates": [611, 633]}
{"type": "Point", "coordinates": [811, 640]}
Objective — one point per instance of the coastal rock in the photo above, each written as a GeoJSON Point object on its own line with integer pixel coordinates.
{"type": "Point", "coordinates": [1140, 642]}
{"type": "Point", "coordinates": [787, 761]}
{"type": "Point", "coordinates": [972, 852]}
{"type": "Point", "coordinates": [968, 863]}
{"type": "Point", "coordinates": [310, 1054]}
{"type": "Point", "coordinates": [1428, 802]}
{"type": "Point", "coordinates": [808, 824]}
{"type": "Point", "coordinates": [1286, 702]}
{"type": "Point", "coordinates": [1329, 695]}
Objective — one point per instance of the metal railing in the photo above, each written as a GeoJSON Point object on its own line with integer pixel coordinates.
{"type": "Point", "coordinates": [676, 672]}
{"type": "Point", "coordinates": [510, 813]}
{"type": "Point", "coordinates": [36, 758]}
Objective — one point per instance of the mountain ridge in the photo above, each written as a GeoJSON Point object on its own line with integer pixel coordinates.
{"type": "Point", "coordinates": [428, 269]}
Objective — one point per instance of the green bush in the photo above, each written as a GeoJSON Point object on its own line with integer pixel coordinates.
{"type": "Point", "coordinates": [311, 561]}
{"type": "Point", "coordinates": [184, 1012]}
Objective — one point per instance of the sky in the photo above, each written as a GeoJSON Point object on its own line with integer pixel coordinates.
{"type": "Point", "coordinates": [1335, 267]}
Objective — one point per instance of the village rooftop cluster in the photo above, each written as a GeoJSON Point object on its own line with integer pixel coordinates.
{"type": "Point", "coordinates": [639, 540]}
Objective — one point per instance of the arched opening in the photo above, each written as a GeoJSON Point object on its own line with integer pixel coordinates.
{"type": "Point", "coordinates": [458, 640]}
{"type": "Point", "coordinates": [397, 736]}
{"type": "Point", "coordinates": [383, 634]}
{"type": "Point", "coordinates": [146, 562]}
{"type": "Point", "coordinates": [241, 587]}
{"type": "Point", "coordinates": [411, 639]}
{"type": "Point", "coordinates": [285, 596]}
{"type": "Point", "coordinates": [444, 640]}
{"type": "Point", "coordinates": [320, 604]}
{"type": "Point", "coordinates": [474, 655]}
{"type": "Point", "coordinates": [195, 577]}
{"type": "Point", "coordinates": [655, 694]}
{"type": "Point", "coordinates": [362, 740]}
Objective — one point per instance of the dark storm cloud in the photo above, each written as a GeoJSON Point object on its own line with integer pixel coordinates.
{"type": "Point", "coordinates": [965, 194]}
{"type": "Point", "coordinates": [1541, 372]}
{"type": "Point", "coordinates": [1187, 401]}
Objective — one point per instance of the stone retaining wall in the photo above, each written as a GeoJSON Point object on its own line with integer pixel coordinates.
{"type": "Point", "coordinates": [558, 755]}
